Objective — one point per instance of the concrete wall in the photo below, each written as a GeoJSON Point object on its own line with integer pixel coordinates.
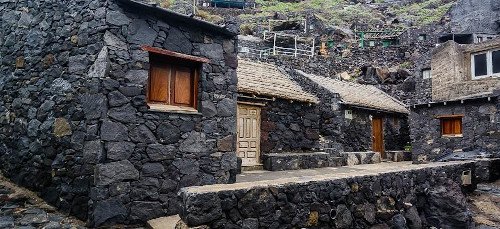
{"type": "Point", "coordinates": [430, 196]}
{"type": "Point", "coordinates": [75, 124]}
{"type": "Point", "coordinates": [481, 125]}
{"type": "Point", "coordinates": [451, 71]}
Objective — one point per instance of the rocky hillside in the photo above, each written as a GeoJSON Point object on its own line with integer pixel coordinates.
{"type": "Point", "coordinates": [368, 14]}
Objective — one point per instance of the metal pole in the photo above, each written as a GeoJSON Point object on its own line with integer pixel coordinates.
{"type": "Point", "coordinates": [274, 46]}
{"type": "Point", "coordinates": [295, 46]}
{"type": "Point", "coordinates": [194, 7]}
{"type": "Point", "coordinates": [312, 50]}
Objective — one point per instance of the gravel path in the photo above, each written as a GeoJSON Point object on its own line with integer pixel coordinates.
{"type": "Point", "coordinates": [22, 209]}
{"type": "Point", "coordinates": [485, 205]}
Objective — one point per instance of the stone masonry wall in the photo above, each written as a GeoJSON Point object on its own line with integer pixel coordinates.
{"type": "Point", "coordinates": [481, 125]}
{"type": "Point", "coordinates": [49, 125]}
{"type": "Point", "coordinates": [409, 198]}
{"type": "Point", "coordinates": [451, 71]}
{"type": "Point", "coordinates": [289, 127]}
{"type": "Point", "coordinates": [74, 121]}
{"type": "Point", "coordinates": [351, 135]}
{"type": "Point", "coordinates": [151, 155]}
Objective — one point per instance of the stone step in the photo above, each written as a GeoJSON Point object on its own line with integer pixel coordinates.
{"type": "Point", "coordinates": [168, 222]}
{"type": "Point", "coordinates": [337, 161]}
{"type": "Point", "coordinates": [252, 168]}
{"type": "Point", "coordinates": [361, 158]}
{"type": "Point", "coordinates": [295, 161]}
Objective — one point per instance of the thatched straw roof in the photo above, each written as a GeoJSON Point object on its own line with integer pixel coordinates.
{"type": "Point", "coordinates": [265, 79]}
{"type": "Point", "coordinates": [359, 94]}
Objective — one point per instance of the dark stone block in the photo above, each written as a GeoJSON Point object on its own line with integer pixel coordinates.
{"type": "Point", "coordinates": [114, 172]}
{"type": "Point", "coordinates": [294, 161]}
{"type": "Point", "coordinates": [117, 151]}
{"type": "Point", "coordinates": [108, 212]}
{"type": "Point", "coordinates": [113, 131]}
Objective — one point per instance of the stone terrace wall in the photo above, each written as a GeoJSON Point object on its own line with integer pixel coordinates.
{"type": "Point", "coordinates": [49, 123]}
{"type": "Point", "coordinates": [288, 127]}
{"type": "Point", "coordinates": [406, 198]}
{"type": "Point", "coordinates": [151, 155]}
{"type": "Point", "coordinates": [481, 128]}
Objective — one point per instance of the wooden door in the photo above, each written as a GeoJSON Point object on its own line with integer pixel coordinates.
{"type": "Point", "coordinates": [248, 147]}
{"type": "Point", "coordinates": [378, 136]}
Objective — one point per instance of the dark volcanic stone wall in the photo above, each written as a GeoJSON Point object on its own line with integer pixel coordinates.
{"type": "Point", "coordinates": [50, 106]}
{"type": "Point", "coordinates": [289, 127]}
{"type": "Point", "coordinates": [74, 120]}
{"type": "Point", "coordinates": [151, 155]}
{"type": "Point", "coordinates": [481, 128]}
{"type": "Point", "coordinates": [420, 198]}
{"type": "Point", "coordinates": [352, 135]}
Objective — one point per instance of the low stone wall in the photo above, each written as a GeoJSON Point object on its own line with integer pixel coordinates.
{"type": "Point", "coordinates": [294, 161]}
{"type": "Point", "coordinates": [415, 196]}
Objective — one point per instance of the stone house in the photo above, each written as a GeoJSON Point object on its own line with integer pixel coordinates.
{"type": "Point", "coordinates": [108, 108]}
{"type": "Point", "coordinates": [275, 118]}
{"type": "Point", "coordinates": [356, 117]}
{"type": "Point", "coordinates": [462, 111]}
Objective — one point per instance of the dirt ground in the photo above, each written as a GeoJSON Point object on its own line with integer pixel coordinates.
{"type": "Point", "coordinates": [485, 205]}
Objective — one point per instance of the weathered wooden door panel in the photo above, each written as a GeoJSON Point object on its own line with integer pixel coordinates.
{"type": "Point", "coordinates": [248, 134]}
{"type": "Point", "coordinates": [378, 135]}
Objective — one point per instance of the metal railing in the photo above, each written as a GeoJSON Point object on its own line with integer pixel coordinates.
{"type": "Point", "coordinates": [262, 53]}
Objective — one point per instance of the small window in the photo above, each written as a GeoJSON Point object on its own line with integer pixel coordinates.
{"type": "Point", "coordinates": [422, 37]}
{"type": "Point", "coordinates": [480, 39]}
{"type": "Point", "coordinates": [372, 43]}
{"type": "Point", "coordinates": [486, 64]}
{"type": "Point", "coordinates": [451, 126]}
{"type": "Point", "coordinates": [173, 83]}
{"type": "Point", "coordinates": [348, 114]}
{"type": "Point", "coordinates": [495, 59]}
{"type": "Point", "coordinates": [426, 74]}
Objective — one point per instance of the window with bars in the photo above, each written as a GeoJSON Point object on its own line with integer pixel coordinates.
{"type": "Point", "coordinates": [451, 126]}
{"type": "Point", "coordinates": [485, 64]}
{"type": "Point", "coordinates": [173, 83]}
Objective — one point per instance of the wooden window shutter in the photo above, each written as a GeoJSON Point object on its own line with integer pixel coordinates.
{"type": "Point", "coordinates": [451, 126]}
{"type": "Point", "coordinates": [183, 86]}
{"type": "Point", "coordinates": [159, 83]}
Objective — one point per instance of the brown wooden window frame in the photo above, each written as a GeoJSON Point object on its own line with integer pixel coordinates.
{"type": "Point", "coordinates": [173, 67]}
{"type": "Point", "coordinates": [451, 125]}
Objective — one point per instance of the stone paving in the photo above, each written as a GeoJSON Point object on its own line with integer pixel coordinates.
{"type": "Point", "coordinates": [261, 175]}
{"type": "Point", "coordinates": [20, 208]}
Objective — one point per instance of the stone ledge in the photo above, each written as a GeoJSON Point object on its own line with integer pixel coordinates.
{"type": "Point", "coordinates": [398, 155]}
{"type": "Point", "coordinates": [360, 158]}
{"type": "Point", "coordinates": [361, 171]}
{"type": "Point", "coordinates": [212, 205]}
{"type": "Point", "coordinates": [295, 161]}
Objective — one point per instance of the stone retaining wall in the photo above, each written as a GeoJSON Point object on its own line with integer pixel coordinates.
{"type": "Point", "coordinates": [430, 195]}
